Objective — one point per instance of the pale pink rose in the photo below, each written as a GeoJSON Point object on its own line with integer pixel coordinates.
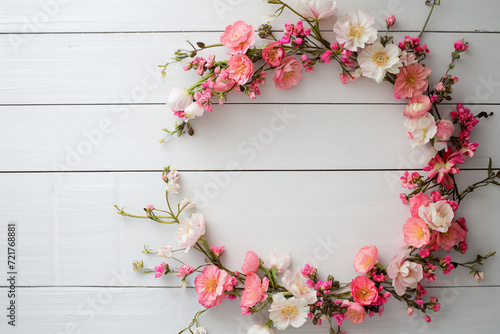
{"type": "Point", "coordinates": [251, 263]}
{"type": "Point", "coordinates": [273, 54]}
{"type": "Point", "coordinates": [404, 274]}
{"type": "Point", "coordinates": [355, 313]}
{"type": "Point", "coordinates": [366, 258]}
{"type": "Point", "coordinates": [211, 284]}
{"type": "Point", "coordinates": [190, 230]}
{"type": "Point", "coordinates": [445, 129]}
{"type": "Point", "coordinates": [411, 80]}
{"type": "Point", "coordinates": [240, 68]}
{"type": "Point", "coordinates": [416, 232]}
{"type": "Point", "coordinates": [438, 215]}
{"type": "Point", "coordinates": [288, 74]}
{"type": "Point", "coordinates": [418, 106]}
{"type": "Point", "coordinates": [417, 201]}
{"type": "Point", "coordinates": [254, 291]}
{"type": "Point", "coordinates": [363, 290]}
{"type": "Point", "coordinates": [239, 37]}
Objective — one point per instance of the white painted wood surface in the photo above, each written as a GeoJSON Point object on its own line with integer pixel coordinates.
{"type": "Point", "coordinates": [82, 107]}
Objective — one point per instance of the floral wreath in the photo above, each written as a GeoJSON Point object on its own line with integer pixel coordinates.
{"type": "Point", "coordinates": [433, 200]}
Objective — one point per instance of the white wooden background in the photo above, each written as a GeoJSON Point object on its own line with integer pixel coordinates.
{"type": "Point", "coordinates": [81, 103]}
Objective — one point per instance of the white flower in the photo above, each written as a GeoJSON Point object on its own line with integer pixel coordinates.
{"type": "Point", "coordinates": [173, 175]}
{"type": "Point", "coordinates": [438, 215]}
{"type": "Point", "coordinates": [187, 203]}
{"type": "Point", "coordinates": [260, 329]}
{"type": "Point", "coordinates": [190, 230]}
{"type": "Point", "coordinates": [316, 9]}
{"type": "Point", "coordinates": [200, 330]}
{"type": "Point", "coordinates": [375, 60]}
{"type": "Point", "coordinates": [408, 58]}
{"type": "Point", "coordinates": [165, 252]}
{"type": "Point", "coordinates": [172, 185]}
{"type": "Point", "coordinates": [425, 154]}
{"type": "Point", "coordinates": [179, 99]}
{"type": "Point", "coordinates": [193, 110]}
{"type": "Point", "coordinates": [285, 312]}
{"type": "Point", "coordinates": [355, 30]}
{"type": "Point", "coordinates": [267, 18]}
{"type": "Point", "coordinates": [297, 286]}
{"type": "Point", "coordinates": [279, 259]}
{"type": "Point", "coordinates": [421, 130]}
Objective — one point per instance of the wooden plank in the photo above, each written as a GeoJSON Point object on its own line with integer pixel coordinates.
{"type": "Point", "coordinates": [122, 68]}
{"type": "Point", "coordinates": [262, 137]}
{"type": "Point", "coordinates": [128, 15]}
{"type": "Point", "coordinates": [70, 235]}
{"type": "Point", "coordinates": [133, 310]}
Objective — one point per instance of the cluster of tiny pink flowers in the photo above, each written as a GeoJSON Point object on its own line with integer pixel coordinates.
{"type": "Point", "coordinates": [200, 64]}
{"type": "Point", "coordinates": [467, 122]}
{"type": "Point", "coordinates": [446, 264]}
{"type": "Point", "coordinates": [295, 33]}
{"type": "Point", "coordinates": [413, 43]}
{"type": "Point", "coordinates": [410, 180]}
{"type": "Point", "coordinates": [253, 88]}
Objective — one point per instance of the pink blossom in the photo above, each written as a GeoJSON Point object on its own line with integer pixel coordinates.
{"type": "Point", "coordinates": [251, 263]}
{"type": "Point", "coordinates": [445, 129]}
{"type": "Point", "coordinates": [409, 180]}
{"type": "Point", "coordinates": [240, 68]}
{"type": "Point", "coordinates": [344, 78]}
{"type": "Point", "coordinates": [404, 274]}
{"type": "Point", "coordinates": [391, 19]}
{"type": "Point", "coordinates": [160, 270]}
{"type": "Point", "coordinates": [339, 317]}
{"type": "Point", "coordinates": [185, 270]}
{"type": "Point", "coordinates": [427, 318]}
{"type": "Point", "coordinates": [460, 45]}
{"type": "Point", "coordinates": [355, 313]}
{"type": "Point", "coordinates": [440, 87]}
{"type": "Point", "coordinates": [273, 54]}
{"type": "Point", "coordinates": [316, 9]}
{"type": "Point", "coordinates": [479, 276]}
{"type": "Point", "coordinates": [239, 37]}
{"type": "Point", "coordinates": [211, 284]}
{"type": "Point", "coordinates": [254, 291]}
{"type": "Point", "coordinates": [416, 232]}
{"type": "Point", "coordinates": [217, 250]}
{"type": "Point", "coordinates": [366, 258]}
{"type": "Point", "coordinates": [288, 74]}
{"type": "Point", "coordinates": [223, 83]}
{"type": "Point", "coordinates": [418, 106]}
{"type": "Point", "coordinates": [450, 238]}
{"type": "Point", "coordinates": [417, 201]}
{"type": "Point", "coordinates": [411, 80]}
{"type": "Point", "coordinates": [410, 311]}
{"type": "Point", "coordinates": [308, 271]}
{"type": "Point", "coordinates": [444, 165]}
{"type": "Point", "coordinates": [363, 290]}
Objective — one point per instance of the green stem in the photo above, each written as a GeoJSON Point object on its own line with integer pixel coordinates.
{"type": "Point", "coordinates": [427, 21]}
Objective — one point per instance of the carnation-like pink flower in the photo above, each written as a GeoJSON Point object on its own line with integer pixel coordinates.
{"type": "Point", "coordinates": [288, 74]}
{"type": "Point", "coordinates": [254, 292]}
{"type": "Point", "coordinates": [363, 290]}
{"type": "Point", "coordinates": [366, 258]}
{"type": "Point", "coordinates": [416, 232]}
{"type": "Point", "coordinates": [240, 68]}
{"type": "Point", "coordinates": [418, 106]}
{"type": "Point", "coordinates": [251, 263]}
{"type": "Point", "coordinates": [211, 284]}
{"type": "Point", "coordinates": [417, 201]}
{"type": "Point", "coordinates": [411, 80]}
{"type": "Point", "coordinates": [355, 313]}
{"type": "Point", "coordinates": [273, 54]}
{"type": "Point", "coordinates": [185, 270]}
{"type": "Point", "coordinates": [445, 129]}
{"type": "Point", "coordinates": [239, 37]}
{"type": "Point", "coordinates": [404, 274]}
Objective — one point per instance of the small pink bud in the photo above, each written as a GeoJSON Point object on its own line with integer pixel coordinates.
{"type": "Point", "coordinates": [427, 318]}
{"type": "Point", "coordinates": [391, 19]}
{"type": "Point", "coordinates": [479, 276]}
{"type": "Point", "coordinates": [410, 310]}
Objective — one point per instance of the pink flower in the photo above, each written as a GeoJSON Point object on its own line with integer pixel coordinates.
{"type": "Point", "coordinates": [185, 270]}
{"type": "Point", "coordinates": [288, 74]}
{"type": "Point", "coordinates": [391, 19]}
{"type": "Point", "coordinates": [254, 292]}
{"type": "Point", "coordinates": [239, 37]}
{"type": "Point", "coordinates": [160, 270]}
{"type": "Point", "coordinates": [211, 284]}
{"type": "Point", "coordinates": [445, 129]}
{"type": "Point", "coordinates": [409, 180]}
{"type": "Point", "coordinates": [240, 68]}
{"type": "Point", "coordinates": [190, 230]}
{"type": "Point", "coordinates": [452, 237]}
{"type": "Point", "coordinates": [418, 106]}
{"type": "Point", "coordinates": [440, 87]}
{"type": "Point", "coordinates": [251, 263]}
{"type": "Point", "coordinates": [438, 215]}
{"type": "Point", "coordinates": [344, 78]}
{"type": "Point", "coordinates": [416, 232]}
{"type": "Point", "coordinates": [460, 45]}
{"type": "Point", "coordinates": [363, 290]}
{"type": "Point", "coordinates": [411, 80]}
{"type": "Point", "coordinates": [366, 258]}
{"type": "Point", "coordinates": [404, 274]}
{"type": "Point", "coordinates": [479, 276]}
{"type": "Point", "coordinates": [273, 54]}
{"type": "Point", "coordinates": [223, 83]}
{"type": "Point", "coordinates": [355, 313]}
{"type": "Point", "coordinates": [444, 165]}
{"type": "Point", "coordinates": [417, 201]}
{"type": "Point", "coordinates": [217, 250]}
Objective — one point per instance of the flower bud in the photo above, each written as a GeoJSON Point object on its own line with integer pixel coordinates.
{"type": "Point", "coordinates": [391, 19]}
{"type": "Point", "coordinates": [200, 330]}
{"type": "Point", "coordinates": [165, 252]}
{"type": "Point", "coordinates": [260, 329]}
{"type": "Point", "coordinates": [410, 310]}
{"type": "Point", "coordinates": [194, 110]}
{"type": "Point", "coordinates": [179, 99]}
{"type": "Point", "coordinates": [479, 276]}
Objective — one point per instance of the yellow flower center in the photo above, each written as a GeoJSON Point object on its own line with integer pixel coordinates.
{"type": "Point", "coordinates": [211, 285]}
{"type": "Point", "coordinates": [289, 312]}
{"type": "Point", "coordinates": [356, 30]}
{"type": "Point", "coordinates": [410, 79]}
{"type": "Point", "coordinates": [420, 233]}
{"type": "Point", "coordinates": [380, 58]}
